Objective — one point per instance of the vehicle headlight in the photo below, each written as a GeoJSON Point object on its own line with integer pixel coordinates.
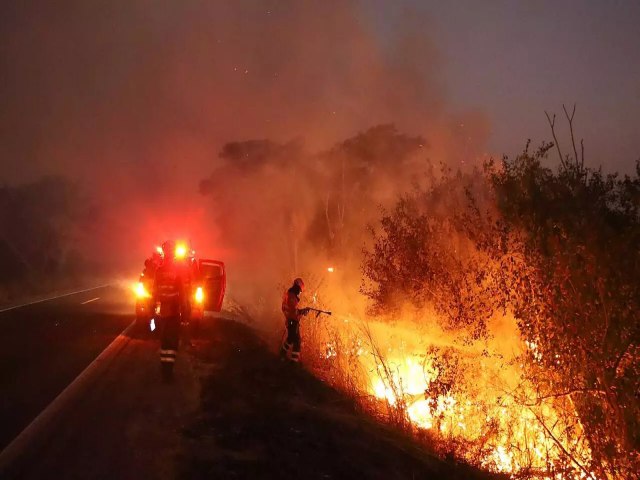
{"type": "Point", "coordinates": [141, 292]}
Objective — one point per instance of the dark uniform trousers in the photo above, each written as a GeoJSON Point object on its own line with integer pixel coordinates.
{"type": "Point", "coordinates": [291, 345]}
{"type": "Point", "coordinates": [169, 338]}
{"type": "Point", "coordinates": [169, 292]}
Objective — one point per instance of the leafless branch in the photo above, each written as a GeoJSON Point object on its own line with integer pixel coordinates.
{"type": "Point", "coordinates": [573, 141]}
{"type": "Point", "coordinates": [328, 217]}
{"type": "Point", "coordinates": [552, 124]}
{"type": "Point", "coordinates": [541, 398]}
{"type": "Point", "coordinates": [560, 445]}
{"type": "Point", "coordinates": [628, 344]}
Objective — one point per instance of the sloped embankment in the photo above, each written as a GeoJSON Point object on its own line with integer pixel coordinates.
{"type": "Point", "coordinates": [261, 418]}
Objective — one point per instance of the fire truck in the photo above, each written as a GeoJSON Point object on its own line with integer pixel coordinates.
{"type": "Point", "coordinates": [205, 284]}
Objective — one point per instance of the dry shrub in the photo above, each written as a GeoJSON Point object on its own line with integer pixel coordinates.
{"type": "Point", "coordinates": [558, 252]}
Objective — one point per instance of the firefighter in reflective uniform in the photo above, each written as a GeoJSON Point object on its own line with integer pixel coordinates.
{"type": "Point", "coordinates": [169, 292]}
{"type": "Point", "coordinates": [292, 314]}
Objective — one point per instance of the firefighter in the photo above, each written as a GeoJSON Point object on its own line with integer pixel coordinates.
{"type": "Point", "coordinates": [148, 275]}
{"type": "Point", "coordinates": [292, 314]}
{"type": "Point", "coordinates": [169, 292]}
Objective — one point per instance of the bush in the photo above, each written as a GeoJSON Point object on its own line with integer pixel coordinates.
{"type": "Point", "coordinates": [556, 248]}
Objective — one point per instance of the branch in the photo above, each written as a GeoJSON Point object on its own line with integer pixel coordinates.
{"type": "Point", "coordinates": [552, 123]}
{"type": "Point", "coordinates": [570, 120]}
{"type": "Point", "coordinates": [539, 399]}
{"type": "Point", "coordinates": [326, 213]}
{"type": "Point", "coordinates": [560, 446]}
{"type": "Point", "coordinates": [631, 341]}
{"type": "Point", "coordinates": [606, 314]}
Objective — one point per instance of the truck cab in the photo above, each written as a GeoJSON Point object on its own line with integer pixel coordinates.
{"type": "Point", "coordinates": [205, 284]}
{"type": "Point", "coordinates": [208, 287]}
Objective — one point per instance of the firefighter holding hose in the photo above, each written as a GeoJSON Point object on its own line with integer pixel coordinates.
{"type": "Point", "coordinates": [293, 315]}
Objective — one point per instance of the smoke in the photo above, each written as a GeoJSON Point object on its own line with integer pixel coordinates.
{"type": "Point", "coordinates": [134, 100]}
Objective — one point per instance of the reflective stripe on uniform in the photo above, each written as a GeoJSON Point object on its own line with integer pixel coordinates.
{"type": "Point", "coordinates": [167, 355]}
{"type": "Point", "coordinates": [295, 357]}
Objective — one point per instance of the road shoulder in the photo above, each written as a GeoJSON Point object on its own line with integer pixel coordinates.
{"type": "Point", "coordinates": [122, 422]}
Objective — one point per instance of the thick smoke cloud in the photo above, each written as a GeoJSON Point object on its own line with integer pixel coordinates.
{"type": "Point", "coordinates": [134, 100]}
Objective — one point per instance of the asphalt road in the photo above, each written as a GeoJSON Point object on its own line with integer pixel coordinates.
{"type": "Point", "coordinates": [107, 417]}
{"type": "Point", "coordinates": [45, 345]}
{"type": "Point", "coordinates": [233, 410]}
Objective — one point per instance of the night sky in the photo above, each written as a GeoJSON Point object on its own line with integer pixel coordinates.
{"type": "Point", "coordinates": [114, 90]}
{"type": "Point", "coordinates": [515, 59]}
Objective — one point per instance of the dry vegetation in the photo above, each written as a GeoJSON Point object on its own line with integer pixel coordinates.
{"type": "Point", "coordinates": [492, 311]}
{"type": "Point", "coordinates": [505, 322]}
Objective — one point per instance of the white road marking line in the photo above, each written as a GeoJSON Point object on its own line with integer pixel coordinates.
{"type": "Point", "coordinates": [40, 428]}
{"type": "Point", "coordinates": [53, 298]}
{"type": "Point", "coordinates": [89, 301]}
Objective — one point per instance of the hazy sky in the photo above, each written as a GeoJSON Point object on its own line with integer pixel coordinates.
{"type": "Point", "coordinates": [514, 59]}
{"type": "Point", "coordinates": [126, 89]}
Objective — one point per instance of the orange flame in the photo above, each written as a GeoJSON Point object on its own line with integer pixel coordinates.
{"type": "Point", "coordinates": [501, 431]}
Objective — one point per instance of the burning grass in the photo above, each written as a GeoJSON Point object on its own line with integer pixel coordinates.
{"type": "Point", "coordinates": [473, 402]}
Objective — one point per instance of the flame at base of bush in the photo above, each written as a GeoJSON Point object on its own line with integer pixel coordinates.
{"type": "Point", "coordinates": [475, 401]}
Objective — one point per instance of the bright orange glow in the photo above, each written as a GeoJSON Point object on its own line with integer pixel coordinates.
{"type": "Point", "coordinates": [140, 291]}
{"type": "Point", "coordinates": [181, 251]}
{"type": "Point", "coordinates": [492, 410]}
{"type": "Point", "coordinates": [330, 270]}
{"type": "Point", "coordinates": [199, 295]}
{"type": "Point", "coordinates": [159, 250]}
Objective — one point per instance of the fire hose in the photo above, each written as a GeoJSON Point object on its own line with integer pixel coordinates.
{"type": "Point", "coordinates": [318, 312]}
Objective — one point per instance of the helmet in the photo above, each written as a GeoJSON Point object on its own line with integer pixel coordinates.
{"type": "Point", "coordinates": [299, 283]}
{"type": "Point", "coordinates": [169, 249]}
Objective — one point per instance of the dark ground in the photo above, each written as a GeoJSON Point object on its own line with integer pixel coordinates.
{"type": "Point", "coordinates": [261, 418]}
{"type": "Point", "coordinates": [122, 422]}
{"type": "Point", "coordinates": [46, 345]}
{"type": "Point", "coordinates": [232, 411]}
